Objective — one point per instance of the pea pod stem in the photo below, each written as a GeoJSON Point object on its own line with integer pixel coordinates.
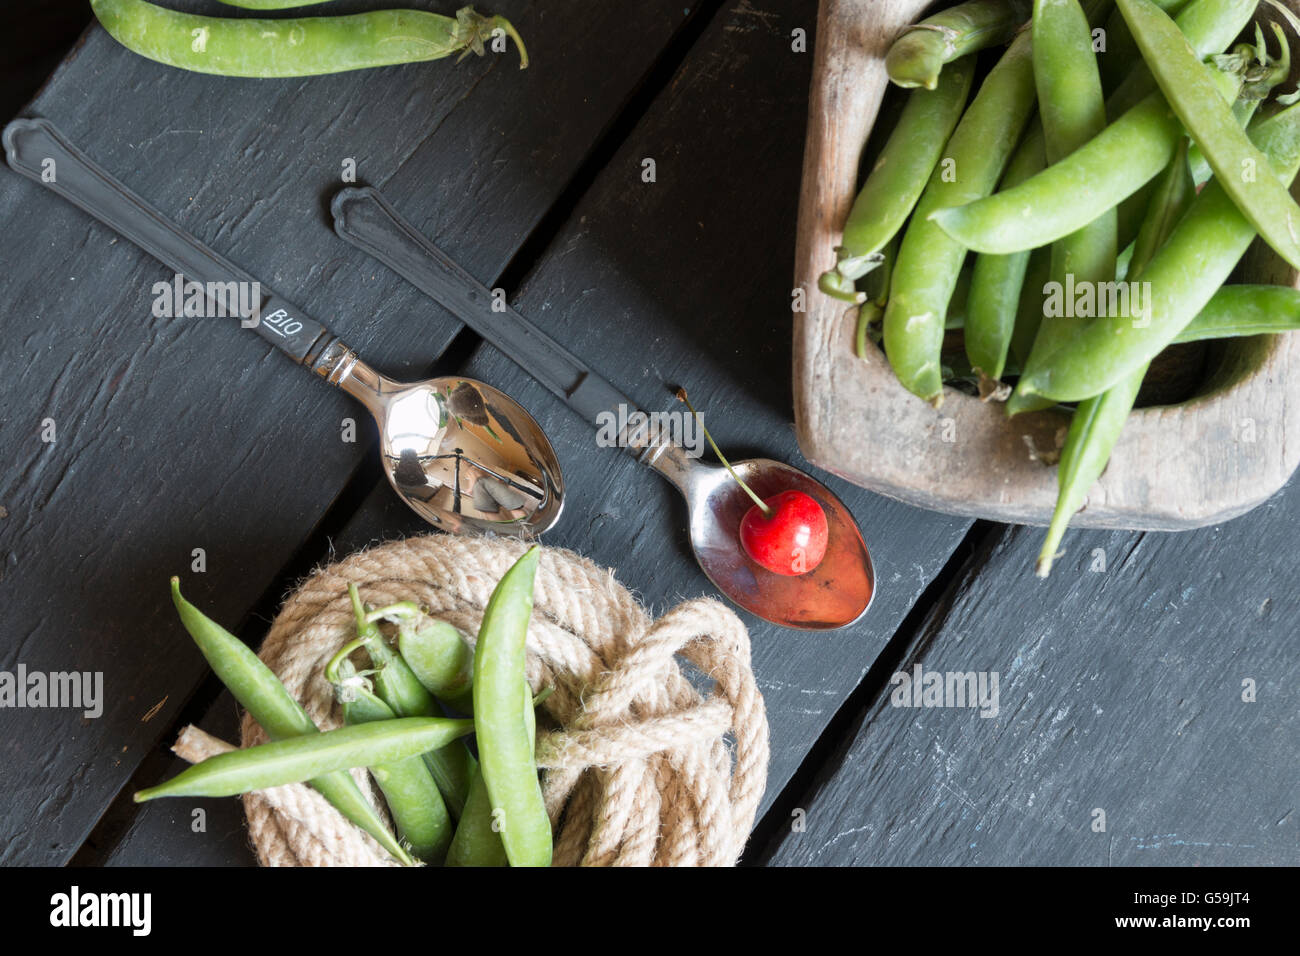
{"type": "Point", "coordinates": [875, 295]}
{"type": "Point", "coordinates": [260, 692]}
{"type": "Point", "coordinates": [917, 58]}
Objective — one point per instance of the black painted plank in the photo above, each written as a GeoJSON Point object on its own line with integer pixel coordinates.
{"type": "Point", "coordinates": [175, 435]}
{"type": "Point", "coordinates": [1120, 690]}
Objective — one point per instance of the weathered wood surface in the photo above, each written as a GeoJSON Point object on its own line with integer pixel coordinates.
{"type": "Point", "coordinates": [175, 435]}
{"type": "Point", "coordinates": [656, 283]}
{"type": "Point", "coordinates": [1173, 468]}
{"type": "Point", "coordinates": [652, 283]}
{"type": "Point", "coordinates": [1120, 690]}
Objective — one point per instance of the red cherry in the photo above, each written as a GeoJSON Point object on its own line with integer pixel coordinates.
{"type": "Point", "coordinates": [790, 538]}
{"type": "Point", "coordinates": [786, 533]}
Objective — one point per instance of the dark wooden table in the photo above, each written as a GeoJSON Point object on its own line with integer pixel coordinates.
{"type": "Point", "coordinates": [1147, 695]}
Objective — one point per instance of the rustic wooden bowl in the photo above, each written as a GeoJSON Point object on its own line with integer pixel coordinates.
{"type": "Point", "coordinates": [1215, 456]}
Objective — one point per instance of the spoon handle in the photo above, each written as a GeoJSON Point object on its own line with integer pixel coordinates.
{"type": "Point", "coordinates": [36, 149]}
{"type": "Point", "coordinates": [365, 218]}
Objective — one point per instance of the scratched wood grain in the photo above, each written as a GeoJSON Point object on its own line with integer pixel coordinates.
{"type": "Point", "coordinates": [1121, 691]}
{"type": "Point", "coordinates": [175, 435]}
{"type": "Point", "coordinates": [685, 280]}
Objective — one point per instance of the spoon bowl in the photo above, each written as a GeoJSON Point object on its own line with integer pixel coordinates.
{"type": "Point", "coordinates": [834, 594]}
{"type": "Point", "coordinates": [465, 456]}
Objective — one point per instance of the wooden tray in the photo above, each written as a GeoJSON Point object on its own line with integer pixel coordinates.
{"type": "Point", "coordinates": [1197, 463]}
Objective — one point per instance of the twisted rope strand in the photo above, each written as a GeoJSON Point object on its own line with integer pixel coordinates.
{"type": "Point", "coordinates": [640, 767]}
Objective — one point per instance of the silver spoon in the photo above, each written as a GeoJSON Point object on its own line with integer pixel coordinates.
{"type": "Point", "coordinates": [834, 594]}
{"type": "Point", "coordinates": [462, 454]}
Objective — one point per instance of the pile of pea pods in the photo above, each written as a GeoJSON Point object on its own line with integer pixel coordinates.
{"type": "Point", "coordinates": [1124, 147]}
{"type": "Point", "coordinates": [446, 806]}
{"type": "Point", "coordinates": [298, 46]}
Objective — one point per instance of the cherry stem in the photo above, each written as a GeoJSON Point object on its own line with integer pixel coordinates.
{"type": "Point", "coordinates": [767, 512]}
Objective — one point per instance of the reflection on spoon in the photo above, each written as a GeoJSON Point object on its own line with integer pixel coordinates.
{"type": "Point", "coordinates": [834, 594]}
{"type": "Point", "coordinates": [462, 454]}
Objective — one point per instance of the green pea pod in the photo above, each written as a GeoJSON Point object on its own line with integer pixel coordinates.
{"type": "Point", "coordinates": [1073, 111]}
{"type": "Point", "coordinates": [997, 281]}
{"type": "Point", "coordinates": [900, 172]}
{"type": "Point", "coordinates": [1172, 196]}
{"type": "Point", "coordinates": [917, 58]}
{"type": "Point", "coordinates": [1068, 195]}
{"type": "Point", "coordinates": [477, 841]}
{"type": "Point", "coordinates": [303, 46]}
{"type": "Point", "coordinates": [1208, 25]}
{"type": "Point", "coordinates": [440, 660]}
{"type": "Point", "coordinates": [1271, 73]}
{"type": "Point", "coordinates": [1237, 310]}
{"type": "Point", "coordinates": [401, 690]}
{"type": "Point", "coordinates": [504, 744]}
{"type": "Point", "coordinates": [1178, 282]}
{"type": "Point", "coordinates": [409, 789]}
{"type": "Point", "coordinates": [1097, 422]}
{"type": "Point", "coordinates": [1238, 164]}
{"type": "Point", "coordinates": [1029, 310]}
{"type": "Point", "coordinates": [260, 692]}
{"type": "Point", "coordinates": [305, 758]}
{"type": "Point", "coordinates": [1094, 429]}
{"type": "Point", "coordinates": [928, 260]}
